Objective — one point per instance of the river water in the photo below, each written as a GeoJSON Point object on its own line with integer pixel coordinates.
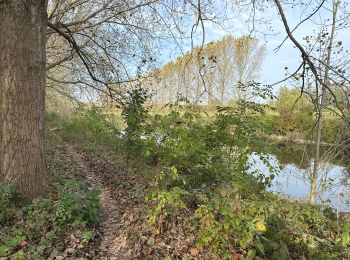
{"type": "Point", "coordinates": [293, 180]}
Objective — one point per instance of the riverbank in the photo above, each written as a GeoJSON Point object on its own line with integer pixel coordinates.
{"type": "Point", "coordinates": [290, 138]}
{"type": "Point", "coordinates": [146, 211]}
{"type": "Point", "coordinates": [201, 202]}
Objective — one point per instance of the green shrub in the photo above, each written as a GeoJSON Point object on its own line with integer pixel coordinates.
{"type": "Point", "coordinates": [90, 128]}
{"type": "Point", "coordinates": [46, 221]}
{"type": "Point", "coordinates": [76, 204]}
{"type": "Point", "coordinates": [203, 174]}
{"type": "Point", "coordinates": [134, 114]}
{"type": "Point", "coordinates": [271, 227]}
{"type": "Point", "coordinates": [8, 197]}
{"type": "Point", "coordinates": [165, 203]}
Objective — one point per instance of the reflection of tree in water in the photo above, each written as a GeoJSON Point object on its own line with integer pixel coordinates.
{"type": "Point", "coordinates": [301, 155]}
{"type": "Point", "coordinates": [347, 172]}
{"type": "Point", "coordinates": [298, 155]}
{"type": "Point", "coordinates": [288, 154]}
{"type": "Point", "coordinates": [333, 180]}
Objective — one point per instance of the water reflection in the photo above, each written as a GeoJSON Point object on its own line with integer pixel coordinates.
{"type": "Point", "coordinates": [294, 178]}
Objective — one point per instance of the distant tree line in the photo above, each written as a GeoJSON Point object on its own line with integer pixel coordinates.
{"type": "Point", "coordinates": [210, 74]}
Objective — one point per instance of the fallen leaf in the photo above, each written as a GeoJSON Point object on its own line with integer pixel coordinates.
{"type": "Point", "coordinates": [194, 251]}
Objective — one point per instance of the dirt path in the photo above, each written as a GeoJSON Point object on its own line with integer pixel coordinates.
{"type": "Point", "coordinates": [120, 210]}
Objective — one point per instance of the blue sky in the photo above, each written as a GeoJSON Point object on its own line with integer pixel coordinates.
{"type": "Point", "coordinates": [273, 68]}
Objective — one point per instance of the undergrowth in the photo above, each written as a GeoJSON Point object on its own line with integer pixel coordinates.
{"type": "Point", "coordinates": [33, 231]}
{"type": "Point", "coordinates": [201, 178]}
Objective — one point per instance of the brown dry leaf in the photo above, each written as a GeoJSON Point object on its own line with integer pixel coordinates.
{"type": "Point", "coordinates": [162, 244]}
{"type": "Point", "coordinates": [24, 244]}
{"type": "Point", "coordinates": [194, 251]}
{"type": "Point", "coordinates": [21, 222]}
{"type": "Point", "coordinates": [237, 257]}
{"type": "Point", "coordinates": [120, 242]}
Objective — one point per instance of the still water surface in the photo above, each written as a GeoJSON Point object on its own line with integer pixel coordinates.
{"type": "Point", "coordinates": [293, 180]}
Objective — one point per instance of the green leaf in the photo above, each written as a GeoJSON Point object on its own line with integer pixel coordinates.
{"type": "Point", "coordinates": [260, 247]}
{"type": "Point", "coordinates": [226, 225]}
{"type": "Point", "coordinates": [18, 256]}
{"type": "Point", "coordinates": [250, 255]}
{"type": "Point", "coordinates": [151, 241]}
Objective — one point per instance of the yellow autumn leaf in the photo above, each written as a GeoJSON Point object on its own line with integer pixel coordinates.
{"type": "Point", "coordinates": [260, 226]}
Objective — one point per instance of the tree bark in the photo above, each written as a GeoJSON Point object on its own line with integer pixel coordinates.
{"type": "Point", "coordinates": [22, 95]}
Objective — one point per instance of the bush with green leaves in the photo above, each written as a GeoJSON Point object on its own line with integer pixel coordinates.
{"type": "Point", "coordinates": [134, 115]}
{"type": "Point", "coordinates": [177, 140]}
{"type": "Point", "coordinates": [45, 221]}
{"type": "Point", "coordinates": [90, 127]}
{"type": "Point", "coordinates": [8, 196]}
{"type": "Point", "coordinates": [204, 152]}
{"type": "Point", "coordinates": [270, 227]}
{"type": "Point", "coordinates": [296, 112]}
{"type": "Point", "coordinates": [202, 175]}
{"type": "Point", "coordinates": [203, 172]}
{"type": "Point", "coordinates": [165, 203]}
{"type": "Point", "coordinates": [76, 204]}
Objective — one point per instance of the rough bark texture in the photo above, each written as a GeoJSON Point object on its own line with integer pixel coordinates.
{"type": "Point", "coordinates": [22, 95]}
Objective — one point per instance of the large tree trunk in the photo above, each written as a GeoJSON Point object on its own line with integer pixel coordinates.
{"type": "Point", "coordinates": [22, 95]}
